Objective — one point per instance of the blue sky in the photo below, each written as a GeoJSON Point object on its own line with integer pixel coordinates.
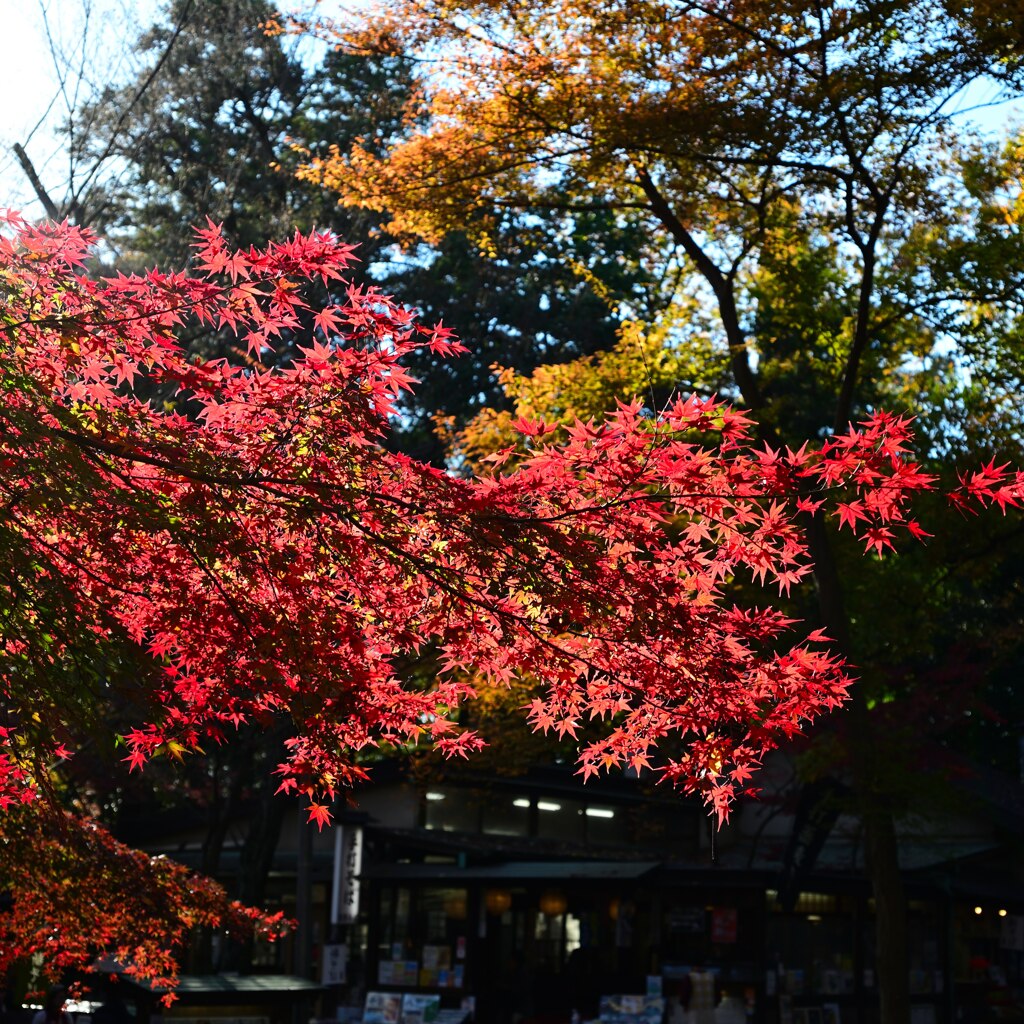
{"type": "Point", "coordinates": [35, 103]}
{"type": "Point", "coordinates": [92, 39]}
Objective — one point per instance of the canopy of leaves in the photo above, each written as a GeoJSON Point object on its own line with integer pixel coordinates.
{"type": "Point", "coordinates": [265, 557]}
{"type": "Point", "coordinates": [77, 896]}
{"type": "Point", "coordinates": [736, 130]}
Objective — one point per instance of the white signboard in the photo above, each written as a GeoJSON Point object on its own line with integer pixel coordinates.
{"type": "Point", "coordinates": [348, 864]}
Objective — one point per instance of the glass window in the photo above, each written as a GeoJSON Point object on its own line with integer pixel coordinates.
{"type": "Point", "coordinates": [452, 810]}
{"type": "Point", "coordinates": [507, 816]}
{"type": "Point", "coordinates": [604, 824]}
{"type": "Point", "coordinates": [559, 818]}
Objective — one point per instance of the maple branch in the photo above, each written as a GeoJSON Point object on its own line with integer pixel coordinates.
{"type": "Point", "coordinates": [751, 160]}
{"type": "Point", "coordinates": [524, 623]}
{"type": "Point", "coordinates": [181, 538]}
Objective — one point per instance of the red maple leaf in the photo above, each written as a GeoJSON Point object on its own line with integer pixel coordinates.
{"type": "Point", "coordinates": [320, 814]}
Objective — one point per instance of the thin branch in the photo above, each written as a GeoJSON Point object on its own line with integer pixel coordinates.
{"type": "Point", "coordinates": [37, 186]}
{"type": "Point", "coordinates": [139, 93]}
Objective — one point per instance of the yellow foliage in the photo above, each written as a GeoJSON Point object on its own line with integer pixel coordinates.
{"type": "Point", "coordinates": [519, 91]}
{"type": "Point", "coordinates": [652, 363]}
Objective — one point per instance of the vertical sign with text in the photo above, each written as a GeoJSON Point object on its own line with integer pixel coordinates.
{"type": "Point", "coordinates": [348, 865]}
{"type": "Point", "coordinates": [335, 960]}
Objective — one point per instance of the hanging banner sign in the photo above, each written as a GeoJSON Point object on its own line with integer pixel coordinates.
{"type": "Point", "coordinates": [348, 865]}
{"type": "Point", "coordinates": [723, 924]}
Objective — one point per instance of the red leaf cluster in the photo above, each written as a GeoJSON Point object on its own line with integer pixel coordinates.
{"type": "Point", "coordinates": [79, 895]}
{"type": "Point", "coordinates": [243, 534]}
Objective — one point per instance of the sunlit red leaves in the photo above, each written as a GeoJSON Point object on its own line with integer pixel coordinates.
{"type": "Point", "coordinates": [990, 485]}
{"type": "Point", "coordinates": [265, 555]}
{"type": "Point", "coordinates": [320, 815]}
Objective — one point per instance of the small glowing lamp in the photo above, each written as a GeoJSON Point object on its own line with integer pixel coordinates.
{"type": "Point", "coordinates": [553, 903]}
{"type": "Point", "coordinates": [497, 901]}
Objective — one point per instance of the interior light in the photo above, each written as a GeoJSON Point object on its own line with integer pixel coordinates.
{"type": "Point", "coordinates": [455, 906]}
{"type": "Point", "coordinates": [521, 802]}
{"type": "Point", "coordinates": [977, 910]}
{"type": "Point", "coordinates": [1002, 913]}
{"type": "Point", "coordinates": [545, 805]}
{"type": "Point", "coordinates": [553, 902]}
{"type": "Point", "coordinates": [497, 901]}
{"type": "Point", "coordinates": [435, 796]}
{"type": "Point", "coordinates": [599, 812]}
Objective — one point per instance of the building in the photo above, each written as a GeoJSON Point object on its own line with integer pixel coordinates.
{"type": "Point", "coordinates": [534, 896]}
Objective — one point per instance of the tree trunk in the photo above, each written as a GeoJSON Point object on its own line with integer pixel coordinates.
{"type": "Point", "coordinates": [892, 967]}
{"type": "Point", "coordinates": [258, 850]}
{"type": "Point", "coordinates": [882, 866]}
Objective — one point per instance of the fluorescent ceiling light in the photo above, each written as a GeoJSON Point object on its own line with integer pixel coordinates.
{"type": "Point", "coordinates": [600, 812]}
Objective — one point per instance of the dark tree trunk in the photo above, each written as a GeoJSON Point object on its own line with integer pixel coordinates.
{"type": "Point", "coordinates": [258, 850]}
{"type": "Point", "coordinates": [891, 961]}
{"type": "Point", "coordinates": [891, 964]}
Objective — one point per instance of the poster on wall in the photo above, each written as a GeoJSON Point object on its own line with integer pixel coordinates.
{"type": "Point", "coordinates": [419, 1009]}
{"type": "Point", "coordinates": [382, 1008]}
{"type": "Point", "coordinates": [398, 972]}
{"type": "Point", "coordinates": [437, 957]}
{"type": "Point", "coordinates": [631, 1009]}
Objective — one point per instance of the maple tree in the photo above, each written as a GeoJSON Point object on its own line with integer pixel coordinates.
{"type": "Point", "coordinates": [78, 895]}
{"type": "Point", "coordinates": [253, 552]}
{"type": "Point", "coordinates": [194, 120]}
